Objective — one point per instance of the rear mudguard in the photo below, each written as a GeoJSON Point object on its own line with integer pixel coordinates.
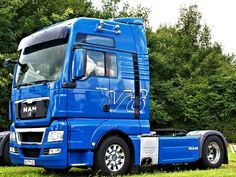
{"type": "Point", "coordinates": [206, 133]}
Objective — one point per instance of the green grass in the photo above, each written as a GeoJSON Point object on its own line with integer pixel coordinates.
{"type": "Point", "coordinates": [172, 171]}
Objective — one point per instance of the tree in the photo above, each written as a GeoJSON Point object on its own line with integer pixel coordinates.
{"type": "Point", "coordinates": [113, 9]}
{"type": "Point", "coordinates": [19, 18]}
{"type": "Point", "coordinates": [192, 85]}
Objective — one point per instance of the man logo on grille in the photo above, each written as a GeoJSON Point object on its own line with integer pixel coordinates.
{"type": "Point", "coordinates": [29, 110]}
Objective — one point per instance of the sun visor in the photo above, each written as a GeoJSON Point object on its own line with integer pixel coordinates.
{"type": "Point", "coordinates": [46, 34]}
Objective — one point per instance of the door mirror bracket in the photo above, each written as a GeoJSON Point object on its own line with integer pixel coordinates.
{"type": "Point", "coordinates": [8, 62]}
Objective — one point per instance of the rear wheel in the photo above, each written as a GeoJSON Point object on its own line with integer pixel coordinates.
{"type": "Point", "coordinates": [212, 152]}
{"type": "Point", "coordinates": [113, 157]}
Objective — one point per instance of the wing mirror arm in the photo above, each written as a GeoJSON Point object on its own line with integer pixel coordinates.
{"type": "Point", "coordinates": [9, 62]}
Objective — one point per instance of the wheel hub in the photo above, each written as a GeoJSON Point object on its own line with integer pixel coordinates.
{"type": "Point", "coordinates": [213, 152]}
{"type": "Point", "coordinates": [114, 157]}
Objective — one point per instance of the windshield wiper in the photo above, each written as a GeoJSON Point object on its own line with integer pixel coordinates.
{"type": "Point", "coordinates": [25, 84]}
{"type": "Point", "coordinates": [44, 81]}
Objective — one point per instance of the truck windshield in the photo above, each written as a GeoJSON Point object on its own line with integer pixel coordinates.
{"type": "Point", "coordinates": [40, 63]}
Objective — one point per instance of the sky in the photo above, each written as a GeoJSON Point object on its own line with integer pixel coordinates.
{"type": "Point", "coordinates": [219, 15]}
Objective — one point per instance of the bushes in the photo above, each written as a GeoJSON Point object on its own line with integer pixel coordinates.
{"type": "Point", "coordinates": [193, 82]}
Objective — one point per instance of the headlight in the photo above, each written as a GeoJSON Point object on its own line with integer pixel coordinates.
{"type": "Point", "coordinates": [12, 136]}
{"type": "Point", "coordinates": [54, 136]}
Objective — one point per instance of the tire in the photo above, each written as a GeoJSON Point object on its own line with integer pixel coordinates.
{"type": "Point", "coordinates": [212, 152]}
{"type": "Point", "coordinates": [113, 157]}
{"type": "Point", "coordinates": [51, 170]}
{"type": "Point", "coordinates": [6, 158]}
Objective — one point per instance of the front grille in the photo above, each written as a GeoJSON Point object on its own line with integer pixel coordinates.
{"type": "Point", "coordinates": [31, 152]}
{"type": "Point", "coordinates": [30, 137]}
{"type": "Point", "coordinates": [35, 108]}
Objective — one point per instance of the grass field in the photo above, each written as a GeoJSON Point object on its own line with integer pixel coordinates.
{"type": "Point", "coordinates": [172, 171]}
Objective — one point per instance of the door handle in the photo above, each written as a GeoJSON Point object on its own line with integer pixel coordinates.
{"type": "Point", "coordinates": [106, 108]}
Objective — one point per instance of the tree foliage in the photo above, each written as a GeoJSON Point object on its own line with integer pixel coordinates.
{"type": "Point", "coordinates": [192, 82]}
{"type": "Point", "coordinates": [20, 18]}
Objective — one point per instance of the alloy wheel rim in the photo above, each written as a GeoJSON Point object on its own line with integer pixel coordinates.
{"type": "Point", "coordinates": [114, 157]}
{"type": "Point", "coordinates": [213, 152]}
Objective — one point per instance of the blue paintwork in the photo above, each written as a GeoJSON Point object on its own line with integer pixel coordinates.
{"type": "Point", "coordinates": [176, 149]}
{"type": "Point", "coordinates": [85, 128]}
{"type": "Point", "coordinates": [137, 21]}
{"type": "Point", "coordinates": [57, 105]}
{"type": "Point", "coordinates": [80, 158]}
{"type": "Point", "coordinates": [50, 161]}
{"type": "Point", "coordinates": [136, 144]}
{"type": "Point", "coordinates": [140, 39]}
{"type": "Point", "coordinates": [80, 110]}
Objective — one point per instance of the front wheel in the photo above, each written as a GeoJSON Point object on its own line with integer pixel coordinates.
{"type": "Point", "coordinates": [212, 152]}
{"type": "Point", "coordinates": [113, 157]}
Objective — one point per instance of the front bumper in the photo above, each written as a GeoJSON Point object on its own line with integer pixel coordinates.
{"type": "Point", "coordinates": [27, 151]}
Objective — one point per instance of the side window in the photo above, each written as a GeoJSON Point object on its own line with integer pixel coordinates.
{"type": "Point", "coordinates": [100, 64]}
{"type": "Point", "coordinates": [97, 40]}
{"type": "Point", "coordinates": [95, 63]}
{"type": "Point", "coordinates": [111, 65]}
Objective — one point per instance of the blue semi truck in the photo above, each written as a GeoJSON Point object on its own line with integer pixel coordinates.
{"type": "Point", "coordinates": [80, 98]}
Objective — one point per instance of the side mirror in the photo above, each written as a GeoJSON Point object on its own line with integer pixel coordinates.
{"type": "Point", "coordinates": [79, 64]}
{"type": "Point", "coordinates": [8, 62]}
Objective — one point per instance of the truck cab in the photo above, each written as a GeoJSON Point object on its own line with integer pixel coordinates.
{"type": "Point", "coordinates": [80, 98]}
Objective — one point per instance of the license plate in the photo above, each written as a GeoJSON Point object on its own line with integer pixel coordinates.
{"type": "Point", "coordinates": [29, 162]}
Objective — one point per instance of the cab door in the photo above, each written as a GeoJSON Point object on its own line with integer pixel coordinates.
{"type": "Point", "coordinates": [89, 98]}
